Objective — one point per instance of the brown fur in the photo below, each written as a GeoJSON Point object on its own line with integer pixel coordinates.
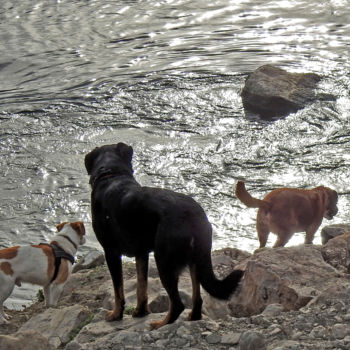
{"type": "Point", "coordinates": [9, 253]}
{"type": "Point", "coordinates": [6, 268]}
{"type": "Point", "coordinates": [285, 211]}
{"type": "Point", "coordinates": [50, 259]}
{"type": "Point", "coordinates": [60, 226]}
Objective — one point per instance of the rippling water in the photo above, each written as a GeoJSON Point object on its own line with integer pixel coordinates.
{"type": "Point", "coordinates": [165, 77]}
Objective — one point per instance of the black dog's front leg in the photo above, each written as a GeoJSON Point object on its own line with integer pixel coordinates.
{"type": "Point", "coordinates": [114, 262]}
{"type": "Point", "coordinates": [142, 298]}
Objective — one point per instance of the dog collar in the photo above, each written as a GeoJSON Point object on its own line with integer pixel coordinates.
{"type": "Point", "coordinates": [73, 243]}
{"type": "Point", "coordinates": [103, 176]}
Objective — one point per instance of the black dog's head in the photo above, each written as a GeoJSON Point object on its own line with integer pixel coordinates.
{"type": "Point", "coordinates": [109, 160]}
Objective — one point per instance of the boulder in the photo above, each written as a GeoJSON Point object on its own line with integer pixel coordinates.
{"type": "Point", "coordinates": [289, 276]}
{"type": "Point", "coordinates": [28, 340]}
{"type": "Point", "coordinates": [330, 231]}
{"type": "Point", "coordinates": [337, 252]}
{"type": "Point", "coordinates": [58, 325]}
{"type": "Point", "coordinates": [92, 259]}
{"type": "Point", "coordinates": [251, 340]}
{"type": "Point", "coordinates": [273, 92]}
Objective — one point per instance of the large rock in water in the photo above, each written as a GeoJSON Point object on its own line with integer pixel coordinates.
{"type": "Point", "coordinates": [273, 92]}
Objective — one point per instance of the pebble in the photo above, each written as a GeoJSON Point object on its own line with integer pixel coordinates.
{"type": "Point", "coordinates": [340, 330]}
{"type": "Point", "coordinates": [251, 340]}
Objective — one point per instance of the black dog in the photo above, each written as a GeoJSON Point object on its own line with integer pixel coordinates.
{"type": "Point", "coordinates": [132, 220]}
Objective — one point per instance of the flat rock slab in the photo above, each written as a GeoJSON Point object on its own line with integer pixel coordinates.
{"type": "Point", "coordinates": [58, 325]}
{"type": "Point", "coordinates": [273, 92]}
{"type": "Point", "coordinates": [28, 340]}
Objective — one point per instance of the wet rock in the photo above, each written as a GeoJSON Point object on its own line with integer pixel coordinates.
{"type": "Point", "coordinates": [90, 260]}
{"type": "Point", "coordinates": [330, 231]}
{"type": "Point", "coordinates": [293, 283]}
{"type": "Point", "coordinates": [271, 92]}
{"type": "Point", "coordinates": [26, 340]}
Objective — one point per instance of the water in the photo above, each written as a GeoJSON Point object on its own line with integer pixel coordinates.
{"type": "Point", "coordinates": [165, 77]}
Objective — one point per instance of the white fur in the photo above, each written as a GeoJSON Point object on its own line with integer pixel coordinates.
{"type": "Point", "coordinates": [31, 265]}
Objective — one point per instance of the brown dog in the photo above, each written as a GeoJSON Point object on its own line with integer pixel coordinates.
{"type": "Point", "coordinates": [285, 211]}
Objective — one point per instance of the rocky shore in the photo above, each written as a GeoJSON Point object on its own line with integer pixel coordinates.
{"type": "Point", "coordinates": [291, 298]}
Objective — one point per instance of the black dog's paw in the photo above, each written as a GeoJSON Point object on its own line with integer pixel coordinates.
{"type": "Point", "coordinates": [141, 312]}
{"type": "Point", "coordinates": [113, 315]}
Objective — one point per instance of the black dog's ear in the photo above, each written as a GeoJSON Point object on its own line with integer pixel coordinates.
{"type": "Point", "coordinates": [125, 151]}
{"type": "Point", "coordinates": [89, 160]}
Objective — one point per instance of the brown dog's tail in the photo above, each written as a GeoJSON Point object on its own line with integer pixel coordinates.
{"type": "Point", "coordinates": [221, 289]}
{"type": "Point", "coordinates": [251, 202]}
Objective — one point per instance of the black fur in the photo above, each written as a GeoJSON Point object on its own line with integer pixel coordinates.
{"type": "Point", "coordinates": [133, 220]}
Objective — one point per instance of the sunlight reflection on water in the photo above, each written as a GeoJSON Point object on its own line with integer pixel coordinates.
{"type": "Point", "coordinates": [165, 77]}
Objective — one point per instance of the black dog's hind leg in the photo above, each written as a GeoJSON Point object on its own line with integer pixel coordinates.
{"type": "Point", "coordinates": [114, 262]}
{"type": "Point", "coordinates": [196, 313]}
{"type": "Point", "coordinates": [169, 278]}
{"type": "Point", "coordinates": [142, 274]}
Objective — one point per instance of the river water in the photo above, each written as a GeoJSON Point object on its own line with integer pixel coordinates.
{"type": "Point", "coordinates": [165, 77]}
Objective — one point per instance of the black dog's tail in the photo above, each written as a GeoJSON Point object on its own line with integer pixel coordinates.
{"type": "Point", "coordinates": [221, 289]}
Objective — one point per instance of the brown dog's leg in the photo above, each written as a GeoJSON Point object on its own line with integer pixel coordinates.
{"type": "Point", "coordinates": [262, 229]}
{"type": "Point", "coordinates": [282, 239]}
{"type": "Point", "coordinates": [310, 232]}
{"type": "Point", "coordinates": [196, 313]}
{"type": "Point", "coordinates": [142, 299]}
{"type": "Point", "coordinates": [114, 263]}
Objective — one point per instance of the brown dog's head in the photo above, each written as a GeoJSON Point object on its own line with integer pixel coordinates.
{"type": "Point", "coordinates": [109, 160]}
{"type": "Point", "coordinates": [331, 200]}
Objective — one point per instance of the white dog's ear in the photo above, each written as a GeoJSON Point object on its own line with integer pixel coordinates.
{"type": "Point", "coordinates": [125, 151]}
{"type": "Point", "coordinates": [60, 226]}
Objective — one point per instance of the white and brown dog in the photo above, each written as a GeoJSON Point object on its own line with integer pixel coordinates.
{"type": "Point", "coordinates": [47, 265]}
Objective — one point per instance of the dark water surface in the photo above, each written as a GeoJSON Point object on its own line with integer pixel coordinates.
{"type": "Point", "coordinates": [165, 77]}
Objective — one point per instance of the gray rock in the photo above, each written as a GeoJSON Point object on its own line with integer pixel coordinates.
{"type": "Point", "coordinates": [288, 345]}
{"type": "Point", "coordinates": [58, 325]}
{"type": "Point", "coordinates": [73, 345]}
{"type": "Point", "coordinates": [290, 276]}
{"type": "Point", "coordinates": [336, 252]}
{"type": "Point", "coordinates": [25, 340]}
{"type": "Point", "coordinates": [319, 332]}
{"type": "Point", "coordinates": [273, 310]}
{"type": "Point", "coordinates": [330, 231]}
{"type": "Point", "coordinates": [127, 338]}
{"type": "Point", "coordinates": [213, 338]}
{"type": "Point", "coordinates": [230, 338]}
{"type": "Point", "coordinates": [251, 340]}
{"type": "Point", "coordinates": [92, 259]}
{"type": "Point", "coordinates": [340, 330]}
{"type": "Point", "coordinates": [271, 92]}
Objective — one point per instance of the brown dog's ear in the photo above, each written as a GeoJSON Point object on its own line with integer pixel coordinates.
{"type": "Point", "coordinates": [79, 227]}
{"type": "Point", "coordinates": [60, 226]}
{"type": "Point", "coordinates": [89, 160]}
{"type": "Point", "coordinates": [125, 151]}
